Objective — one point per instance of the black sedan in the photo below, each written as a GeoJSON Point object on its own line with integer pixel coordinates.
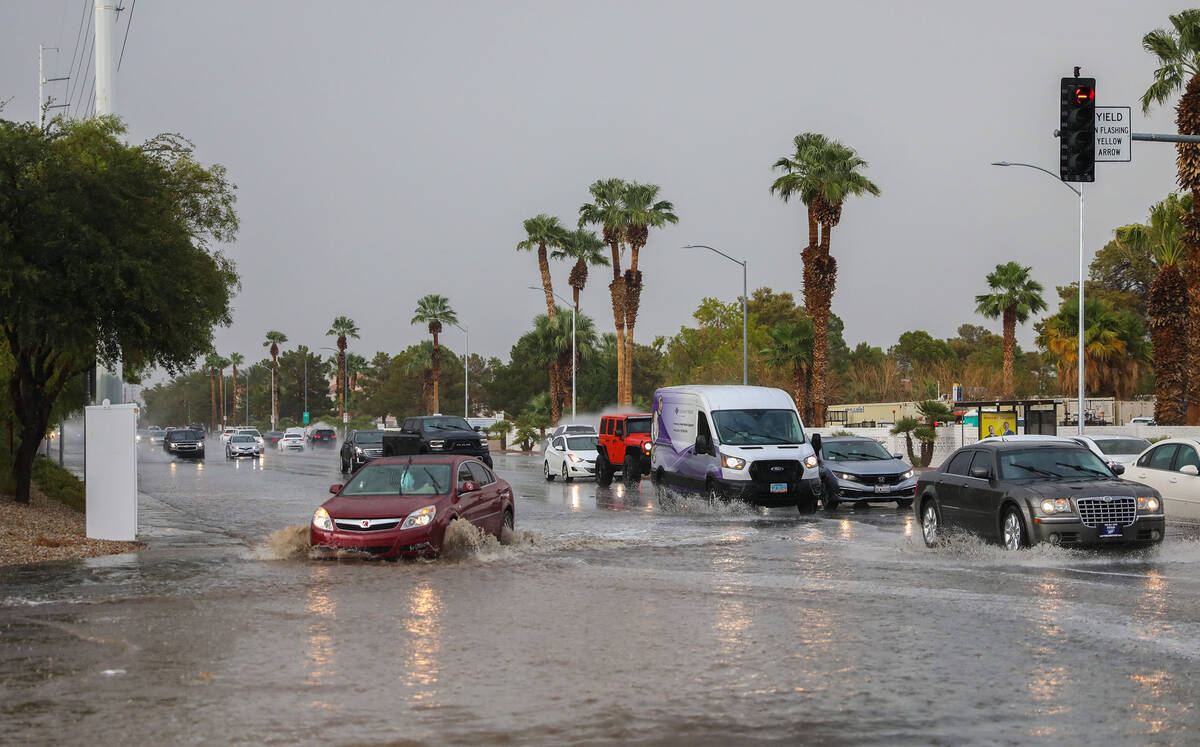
{"type": "Point", "coordinates": [1022, 492]}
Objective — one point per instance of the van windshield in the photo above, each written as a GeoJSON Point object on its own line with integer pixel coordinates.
{"type": "Point", "coordinates": [747, 427]}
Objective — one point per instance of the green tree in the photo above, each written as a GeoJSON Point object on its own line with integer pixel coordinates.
{"type": "Point", "coordinates": [586, 249]}
{"type": "Point", "coordinates": [607, 210]}
{"type": "Point", "coordinates": [274, 339]}
{"type": "Point", "coordinates": [500, 430]}
{"type": "Point", "coordinates": [792, 349]}
{"type": "Point", "coordinates": [212, 362]}
{"type": "Point", "coordinates": [1015, 295]}
{"type": "Point", "coordinates": [823, 173]}
{"type": "Point", "coordinates": [343, 327]}
{"type": "Point", "coordinates": [235, 360]}
{"type": "Point", "coordinates": [543, 232]}
{"type": "Point", "coordinates": [1178, 55]}
{"type": "Point", "coordinates": [553, 349]}
{"type": "Point", "coordinates": [94, 234]}
{"type": "Point", "coordinates": [434, 310]}
{"type": "Point", "coordinates": [1114, 346]}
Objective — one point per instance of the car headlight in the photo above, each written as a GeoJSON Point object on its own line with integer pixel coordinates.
{"type": "Point", "coordinates": [906, 475]}
{"type": "Point", "coordinates": [646, 447]}
{"type": "Point", "coordinates": [139, 439]}
{"type": "Point", "coordinates": [483, 442]}
{"type": "Point", "coordinates": [1056, 506]}
{"type": "Point", "coordinates": [1148, 503]}
{"type": "Point", "coordinates": [810, 461]}
{"type": "Point", "coordinates": [846, 476]}
{"type": "Point", "coordinates": [437, 445]}
{"type": "Point", "coordinates": [322, 520]}
{"type": "Point", "coordinates": [732, 462]}
{"type": "Point", "coordinates": [574, 457]}
{"type": "Point", "coordinates": [419, 518]}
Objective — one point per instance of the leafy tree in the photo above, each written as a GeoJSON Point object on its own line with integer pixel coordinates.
{"type": "Point", "coordinates": [1114, 346]}
{"type": "Point", "coordinates": [792, 349]}
{"type": "Point", "coordinates": [1123, 267]}
{"type": "Point", "coordinates": [1178, 55]}
{"type": "Point", "coordinates": [919, 348]}
{"type": "Point", "coordinates": [274, 339]}
{"type": "Point", "coordinates": [500, 430]}
{"type": "Point", "coordinates": [1015, 295]}
{"type": "Point", "coordinates": [343, 327]}
{"type": "Point", "coordinates": [99, 240]}
{"type": "Point", "coordinates": [822, 173]}
{"type": "Point", "coordinates": [433, 310]}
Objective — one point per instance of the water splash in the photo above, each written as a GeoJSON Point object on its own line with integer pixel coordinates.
{"type": "Point", "coordinates": [289, 543]}
{"type": "Point", "coordinates": [694, 504]}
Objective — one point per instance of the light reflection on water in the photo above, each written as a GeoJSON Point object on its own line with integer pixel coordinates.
{"type": "Point", "coordinates": [1049, 678]}
{"type": "Point", "coordinates": [321, 605]}
{"type": "Point", "coordinates": [424, 627]}
{"type": "Point", "coordinates": [1154, 684]}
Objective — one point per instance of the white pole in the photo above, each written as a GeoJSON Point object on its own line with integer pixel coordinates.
{"type": "Point", "coordinates": [1080, 351]}
{"type": "Point", "coordinates": [572, 364]}
{"type": "Point", "coordinates": [467, 374]}
{"type": "Point", "coordinates": [108, 380]}
{"type": "Point", "coordinates": [745, 357]}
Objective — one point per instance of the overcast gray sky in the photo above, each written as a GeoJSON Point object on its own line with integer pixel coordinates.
{"type": "Point", "coordinates": [386, 150]}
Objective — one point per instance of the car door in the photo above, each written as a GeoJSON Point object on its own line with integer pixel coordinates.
{"type": "Point", "coordinates": [470, 505]}
{"type": "Point", "coordinates": [558, 453]}
{"type": "Point", "coordinates": [1156, 468]}
{"type": "Point", "coordinates": [491, 503]}
{"type": "Point", "coordinates": [980, 501]}
{"type": "Point", "coordinates": [1187, 487]}
{"type": "Point", "coordinates": [951, 485]}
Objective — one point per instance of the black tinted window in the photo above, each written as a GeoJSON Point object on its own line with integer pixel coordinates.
{"type": "Point", "coordinates": [981, 459]}
{"type": "Point", "coordinates": [481, 473]}
{"type": "Point", "coordinates": [1161, 457]}
{"type": "Point", "coordinates": [1186, 456]}
{"type": "Point", "coordinates": [960, 464]}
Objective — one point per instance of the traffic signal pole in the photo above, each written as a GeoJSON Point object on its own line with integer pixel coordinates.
{"type": "Point", "coordinates": [1080, 349]}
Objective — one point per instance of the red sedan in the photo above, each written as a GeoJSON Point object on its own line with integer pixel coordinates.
{"type": "Point", "coordinates": [399, 507]}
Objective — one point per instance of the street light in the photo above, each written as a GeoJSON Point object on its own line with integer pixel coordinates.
{"type": "Point", "coordinates": [743, 263]}
{"type": "Point", "coordinates": [466, 376]}
{"type": "Point", "coordinates": [1080, 350]}
{"type": "Point", "coordinates": [568, 303]}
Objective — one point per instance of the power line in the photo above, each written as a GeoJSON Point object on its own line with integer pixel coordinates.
{"type": "Point", "coordinates": [71, 71]}
{"type": "Point", "coordinates": [86, 71]}
{"type": "Point", "coordinates": [91, 107]}
{"type": "Point", "coordinates": [128, 23]}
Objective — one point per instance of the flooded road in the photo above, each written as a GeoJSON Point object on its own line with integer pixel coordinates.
{"type": "Point", "coordinates": [616, 619]}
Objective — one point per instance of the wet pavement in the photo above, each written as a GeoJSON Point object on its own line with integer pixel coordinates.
{"type": "Point", "coordinates": [616, 619]}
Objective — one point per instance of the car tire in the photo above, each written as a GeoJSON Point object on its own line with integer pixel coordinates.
{"type": "Point", "coordinates": [830, 500]}
{"type": "Point", "coordinates": [631, 470]}
{"type": "Point", "coordinates": [345, 466]}
{"type": "Point", "coordinates": [1012, 530]}
{"type": "Point", "coordinates": [930, 523]}
{"type": "Point", "coordinates": [509, 520]}
{"type": "Point", "coordinates": [604, 472]}
{"type": "Point", "coordinates": [546, 472]}
{"type": "Point", "coordinates": [566, 476]}
{"type": "Point", "coordinates": [904, 503]}
{"type": "Point", "coordinates": [713, 491]}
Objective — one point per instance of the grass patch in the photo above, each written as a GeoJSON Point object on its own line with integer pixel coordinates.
{"type": "Point", "coordinates": [58, 483]}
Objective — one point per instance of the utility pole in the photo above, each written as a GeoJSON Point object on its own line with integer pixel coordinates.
{"type": "Point", "coordinates": [108, 380]}
{"type": "Point", "coordinates": [43, 104]}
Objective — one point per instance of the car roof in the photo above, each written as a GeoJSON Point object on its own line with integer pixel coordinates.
{"type": "Point", "coordinates": [846, 439]}
{"type": "Point", "coordinates": [1010, 444]}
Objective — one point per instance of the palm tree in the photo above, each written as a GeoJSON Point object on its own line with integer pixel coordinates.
{"type": "Point", "coordinates": [235, 360]}
{"type": "Point", "coordinates": [554, 349]}
{"type": "Point", "coordinates": [607, 210]}
{"type": "Point", "coordinates": [434, 310]}
{"type": "Point", "coordinates": [1166, 303]}
{"type": "Point", "coordinates": [274, 340]}
{"type": "Point", "coordinates": [792, 349]}
{"type": "Point", "coordinates": [343, 327]}
{"type": "Point", "coordinates": [212, 362]}
{"type": "Point", "coordinates": [585, 248]}
{"type": "Point", "coordinates": [822, 173]}
{"type": "Point", "coordinates": [356, 365]}
{"type": "Point", "coordinates": [643, 211]}
{"type": "Point", "coordinates": [1178, 53]}
{"type": "Point", "coordinates": [1013, 298]}
{"type": "Point", "coordinates": [543, 232]}
{"type": "Point", "coordinates": [1112, 346]}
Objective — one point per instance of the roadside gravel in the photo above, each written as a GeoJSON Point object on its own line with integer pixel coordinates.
{"type": "Point", "coordinates": [48, 530]}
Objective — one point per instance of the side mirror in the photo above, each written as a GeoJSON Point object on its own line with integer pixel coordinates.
{"type": "Point", "coordinates": [1119, 469]}
{"type": "Point", "coordinates": [816, 443]}
{"type": "Point", "coordinates": [335, 489]}
{"type": "Point", "coordinates": [981, 473]}
{"type": "Point", "coordinates": [468, 487]}
{"type": "Point", "coordinates": [1189, 469]}
{"type": "Point", "coordinates": [479, 429]}
{"type": "Point", "coordinates": [703, 444]}
{"type": "Point", "coordinates": [897, 455]}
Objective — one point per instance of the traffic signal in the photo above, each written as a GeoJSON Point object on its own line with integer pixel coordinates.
{"type": "Point", "coordinates": [1077, 130]}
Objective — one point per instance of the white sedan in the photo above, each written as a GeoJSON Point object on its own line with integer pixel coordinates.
{"type": "Point", "coordinates": [292, 441]}
{"type": "Point", "coordinates": [570, 457]}
{"type": "Point", "coordinates": [1114, 449]}
{"type": "Point", "coordinates": [1172, 467]}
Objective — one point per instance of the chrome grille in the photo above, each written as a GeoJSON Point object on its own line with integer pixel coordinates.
{"type": "Point", "coordinates": [372, 452]}
{"type": "Point", "coordinates": [1112, 510]}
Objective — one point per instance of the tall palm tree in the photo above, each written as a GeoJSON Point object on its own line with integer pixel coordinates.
{"type": "Point", "coordinates": [1178, 53]}
{"type": "Point", "coordinates": [643, 211]}
{"type": "Point", "coordinates": [543, 232]}
{"type": "Point", "coordinates": [356, 366]}
{"type": "Point", "coordinates": [1166, 303]}
{"type": "Point", "coordinates": [343, 327]}
{"type": "Point", "coordinates": [235, 360]}
{"type": "Point", "coordinates": [211, 363]}
{"type": "Point", "coordinates": [1112, 349]}
{"type": "Point", "coordinates": [585, 248]}
{"type": "Point", "coordinates": [792, 349]}
{"type": "Point", "coordinates": [222, 362]}
{"type": "Point", "coordinates": [274, 340]}
{"type": "Point", "coordinates": [607, 210]}
{"type": "Point", "coordinates": [553, 336]}
{"type": "Point", "coordinates": [1014, 297]}
{"type": "Point", "coordinates": [822, 173]}
{"type": "Point", "coordinates": [434, 310]}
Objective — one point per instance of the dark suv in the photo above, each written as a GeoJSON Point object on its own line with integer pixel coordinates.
{"type": "Point", "coordinates": [323, 437]}
{"type": "Point", "coordinates": [361, 447]}
{"type": "Point", "coordinates": [447, 434]}
{"type": "Point", "coordinates": [183, 442]}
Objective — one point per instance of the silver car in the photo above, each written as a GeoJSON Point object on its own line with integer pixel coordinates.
{"type": "Point", "coordinates": [242, 445]}
{"type": "Point", "coordinates": [860, 470]}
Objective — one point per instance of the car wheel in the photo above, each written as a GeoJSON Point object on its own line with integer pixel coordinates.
{"type": "Point", "coordinates": [1014, 530]}
{"type": "Point", "coordinates": [604, 473]}
{"type": "Point", "coordinates": [830, 499]}
{"type": "Point", "coordinates": [714, 492]}
{"type": "Point", "coordinates": [565, 475]}
{"type": "Point", "coordinates": [904, 503]}
{"type": "Point", "coordinates": [546, 472]}
{"type": "Point", "coordinates": [929, 523]}
{"type": "Point", "coordinates": [345, 466]}
{"type": "Point", "coordinates": [629, 470]}
{"type": "Point", "coordinates": [509, 521]}
{"type": "Point", "coordinates": [228, 455]}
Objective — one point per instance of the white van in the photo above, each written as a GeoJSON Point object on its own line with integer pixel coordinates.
{"type": "Point", "coordinates": [743, 442]}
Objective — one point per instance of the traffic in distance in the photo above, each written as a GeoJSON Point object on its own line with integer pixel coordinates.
{"type": "Point", "coordinates": [739, 443]}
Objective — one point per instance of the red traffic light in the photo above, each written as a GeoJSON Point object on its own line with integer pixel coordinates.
{"type": "Point", "coordinates": [1083, 95]}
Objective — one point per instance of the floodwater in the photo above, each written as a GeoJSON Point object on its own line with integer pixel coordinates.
{"type": "Point", "coordinates": [607, 617]}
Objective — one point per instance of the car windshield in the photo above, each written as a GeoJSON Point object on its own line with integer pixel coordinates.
{"type": "Point", "coordinates": [182, 436]}
{"type": "Point", "coordinates": [240, 439]}
{"type": "Point", "coordinates": [1054, 463]}
{"type": "Point", "coordinates": [368, 437]}
{"type": "Point", "coordinates": [852, 451]}
{"type": "Point", "coordinates": [1123, 445]}
{"type": "Point", "coordinates": [581, 443]}
{"type": "Point", "coordinates": [432, 425]}
{"type": "Point", "coordinates": [249, 432]}
{"type": "Point", "coordinates": [747, 427]}
{"type": "Point", "coordinates": [400, 479]}
{"type": "Point", "coordinates": [637, 425]}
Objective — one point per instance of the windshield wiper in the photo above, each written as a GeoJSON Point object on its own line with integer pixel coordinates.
{"type": "Point", "coordinates": [1081, 468]}
{"type": "Point", "coordinates": [1036, 470]}
{"type": "Point", "coordinates": [436, 485]}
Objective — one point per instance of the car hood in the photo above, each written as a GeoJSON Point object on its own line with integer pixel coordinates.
{"type": "Point", "coordinates": [380, 506]}
{"type": "Point", "coordinates": [1088, 488]}
{"type": "Point", "coordinates": [868, 466]}
{"type": "Point", "coordinates": [590, 454]}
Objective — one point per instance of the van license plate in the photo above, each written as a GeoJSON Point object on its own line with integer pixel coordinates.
{"type": "Point", "coordinates": [779, 487]}
{"type": "Point", "coordinates": [1110, 530]}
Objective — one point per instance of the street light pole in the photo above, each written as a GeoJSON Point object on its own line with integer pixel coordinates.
{"type": "Point", "coordinates": [1079, 352]}
{"type": "Point", "coordinates": [247, 395]}
{"type": "Point", "coordinates": [466, 367]}
{"type": "Point", "coordinates": [743, 263]}
{"type": "Point", "coordinates": [573, 355]}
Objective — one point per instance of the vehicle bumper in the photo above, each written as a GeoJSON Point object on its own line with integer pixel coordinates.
{"type": "Point", "coordinates": [187, 453]}
{"type": "Point", "coordinates": [581, 469]}
{"type": "Point", "coordinates": [245, 452]}
{"type": "Point", "coordinates": [408, 543]}
{"type": "Point", "coordinates": [759, 493]}
{"type": "Point", "coordinates": [1068, 531]}
{"type": "Point", "coordinates": [862, 493]}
